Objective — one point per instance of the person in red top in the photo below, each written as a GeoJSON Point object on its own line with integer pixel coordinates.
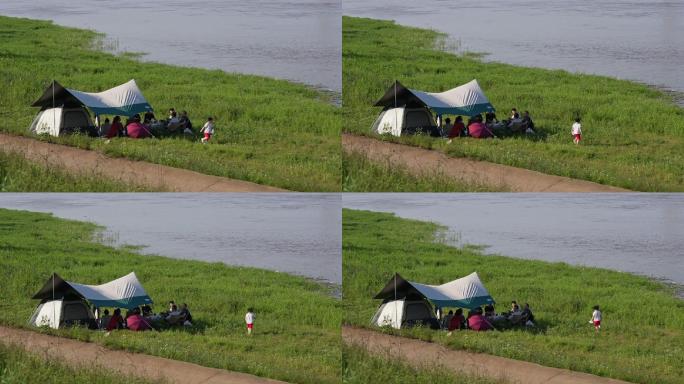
{"type": "Point", "coordinates": [477, 322]}
{"type": "Point", "coordinates": [136, 130]}
{"type": "Point", "coordinates": [457, 321]}
{"type": "Point", "coordinates": [115, 128]}
{"type": "Point", "coordinates": [116, 322]}
{"type": "Point", "coordinates": [458, 128]}
{"type": "Point", "coordinates": [478, 129]}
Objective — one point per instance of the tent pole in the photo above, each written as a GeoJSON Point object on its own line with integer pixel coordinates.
{"type": "Point", "coordinates": [53, 291]}
{"type": "Point", "coordinates": [396, 311]}
{"type": "Point", "coordinates": [395, 127]}
{"type": "Point", "coordinates": [54, 122]}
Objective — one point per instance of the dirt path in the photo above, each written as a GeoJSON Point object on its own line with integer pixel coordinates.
{"type": "Point", "coordinates": [77, 353]}
{"type": "Point", "coordinates": [419, 161]}
{"type": "Point", "coordinates": [161, 177]}
{"type": "Point", "coordinates": [422, 354]}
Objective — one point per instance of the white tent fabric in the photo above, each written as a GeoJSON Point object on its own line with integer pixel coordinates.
{"type": "Point", "coordinates": [467, 99]}
{"type": "Point", "coordinates": [125, 99]}
{"type": "Point", "coordinates": [465, 292]}
{"type": "Point", "coordinates": [389, 314]}
{"type": "Point", "coordinates": [47, 314]}
{"type": "Point", "coordinates": [125, 291]}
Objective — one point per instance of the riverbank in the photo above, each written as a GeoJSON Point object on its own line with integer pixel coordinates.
{"type": "Point", "coordinates": [18, 366]}
{"type": "Point", "coordinates": [269, 131]}
{"type": "Point", "coordinates": [104, 360]}
{"type": "Point", "coordinates": [359, 366]}
{"type": "Point", "coordinates": [359, 173]}
{"type": "Point", "coordinates": [80, 163]}
{"type": "Point", "coordinates": [299, 346]}
{"type": "Point", "coordinates": [423, 354]}
{"type": "Point", "coordinates": [643, 320]}
{"type": "Point", "coordinates": [456, 173]}
{"type": "Point", "coordinates": [637, 149]}
{"type": "Point", "coordinates": [20, 175]}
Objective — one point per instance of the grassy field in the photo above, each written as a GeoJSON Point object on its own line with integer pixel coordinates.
{"type": "Point", "coordinates": [268, 131]}
{"type": "Point", "coordinates": [297, 336]}
{"type": "Point", "coordinates": [20, 175]}
{"type": "Point", "coordinates": [359, 367]}
{"type": "Point", "coordinates": [19, 367]}
{"type": "Point", "coordinates": [633, 134]}
{"type": "Point", "coordinates": [642, 339]}
{"type": "Point", "coordinates": [361, 175]}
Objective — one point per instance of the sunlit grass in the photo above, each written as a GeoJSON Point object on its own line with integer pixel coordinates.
{"type": "Point", "coordinates": [20, 175]}
{"type": "Point", "coordinates": [642, 339]}
{"type": "Point", "coordinates": [361, 367]}
{"type": "Point", "coordinates": [20, 367]}
{"type": "Point", "coordinates": [360, 174]}
{"type": "Point", "coordinates": [297, 336]}
{"type": "Point", "coordinates": [633, 135]}
{"type": "Point", "coordinates": [269, 131]}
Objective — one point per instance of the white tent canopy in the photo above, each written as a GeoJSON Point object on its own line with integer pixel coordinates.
{"type": "Point", "coordinates": [467, 99]}
{"type": "Point", "coordinates": [466, 292]}
{"type": "Point", "coordinates": [125, 99]}
{"type": "Point", "coordinates": [126, 289]}
{"type": "Point", "coordinates": [124, 292]}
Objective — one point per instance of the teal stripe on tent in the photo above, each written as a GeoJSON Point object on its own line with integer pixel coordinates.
{"type": "Point", "coordinates": [127, 110]}
{"type": "Point", "coordinates": [470, 303]}
{"type": "Point", "coordinates": [125, 303]}
{"type": "Point", "coordinates": [468, 110]}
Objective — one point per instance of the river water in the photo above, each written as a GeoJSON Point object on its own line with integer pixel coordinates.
{"type": "Point", "coordinates": [636, 40]}
{"type": "Point", "coordinates": [298, 40]}
{"type": "Point", "coordinates": [637, 233]}
{"type": "Point", "coordinates": [294, 233]}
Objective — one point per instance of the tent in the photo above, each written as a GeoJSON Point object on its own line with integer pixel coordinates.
{"type": "Point", "coordinates": [405, 313]}
{"type": "Point", "coordinates": [466, 292]}
{"type": "Point", "coordinates": [62, 313]}
{"type": "Point", "coordinates": [63, 301]}
{"type": "Point", "coordinates": [467, 99]}
{"type": "Point", "coordinates": [125, 100]}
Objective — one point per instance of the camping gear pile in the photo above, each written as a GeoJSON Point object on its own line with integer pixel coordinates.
{"type": "Point", "coordinates": [408, 111]}
{"type": "Point", "coordinates": [64, 110]}
{"type": "Point", "coordinates": [407, 304]}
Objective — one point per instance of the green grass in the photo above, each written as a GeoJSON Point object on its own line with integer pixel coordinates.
{"type": "Point", "coordinates": [20, 175]}
{"type": "Point", "coordinates": [268, 131]}
{"type": "Point", "coordinates": [361, 175]}
{"type": "Point", "coordinates": [297, 335]}
{"type": "Point", "coordinates": [642, 339]}
{"type": "Point", "coordinates": [633, 134]}
{"type": "Point", "coordinates": [19, 367]}
{"type": "Point", "coordinates": [359, 367]}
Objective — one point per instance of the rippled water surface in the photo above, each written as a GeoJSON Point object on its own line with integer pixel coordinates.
{"type": "Point", "coordinates": [638, 233]}
{"type": "Point", "coordinates": [294, 233]}
{"type": "Point", "coordinates": [298, 40]}
{"type": "Point", "coordinates": [636, 40]}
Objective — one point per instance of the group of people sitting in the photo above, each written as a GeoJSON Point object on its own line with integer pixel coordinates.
{"type": "Point", "coordinates": [489, 126]}
{"type": "Point", "coordinates": [143, 318]}
{"type": "Point", "coordinates": [479, 320]}
{"type": "Point", "coordinates": [138, 128]}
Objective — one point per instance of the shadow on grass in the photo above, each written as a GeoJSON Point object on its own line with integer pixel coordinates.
{"type": "Point", "coordinates": [538, 135]}
{"type": "Point", "coordinates": [540, 327]}
{"type": "Point", "coordinates": [197, 328]}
